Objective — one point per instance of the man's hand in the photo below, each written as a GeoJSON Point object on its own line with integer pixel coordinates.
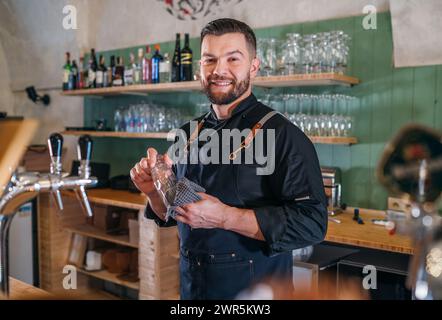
{"type": "Point", "coordinates": [141, 176]}
{"type": "Point", "coordinates": [210, 213]}
{"type": "Point", "coordinates": [141, 173]}
{"type": "Point", "coordinates": [207, 213]}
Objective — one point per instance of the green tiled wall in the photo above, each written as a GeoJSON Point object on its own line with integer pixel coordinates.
{"type": "Point", "coordinates": [387, 99]}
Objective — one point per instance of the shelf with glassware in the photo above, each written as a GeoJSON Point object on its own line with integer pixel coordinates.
{"type": "Point", "coordinates": [296, 80]}
{"type": "Point", "coordinates": [164, 135]}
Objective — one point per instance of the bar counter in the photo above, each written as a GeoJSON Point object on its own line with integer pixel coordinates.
{"type": "Point", "coordinates": [367, 235]}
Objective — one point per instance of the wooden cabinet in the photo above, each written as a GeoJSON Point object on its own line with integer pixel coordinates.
{"type": "Point", "coordinates": [158, 258]}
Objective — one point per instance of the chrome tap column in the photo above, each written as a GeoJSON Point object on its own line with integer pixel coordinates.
{"type": "Point", "coordinates": [25, 186]}
{"type": "Point", "coordinates": [411, 166]}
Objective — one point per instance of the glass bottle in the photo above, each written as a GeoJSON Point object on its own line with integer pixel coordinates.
{"type": "Point", "coordinates": [81, 74]}
{"type": "Point", "coordinates": [176, 60]}
{"type": "Point", "coordinates": [129, 71]}
{"type": "Point", "coordinates": [118, 79]}
{"type": "Point", "coordinates": [138, 67]}
{"type": "Point", "coordinates": [92, 71]}
{"type": "Point", "coordinates": [146, 66]}
{"type": "Point", "coordinates": [165, 69]}
{"type": "Point", "coordinates": [100, 74]}
{"type": "Point", "coordinates": [66, 71]}
{"type": "Point", "coordinates": [156, 59]}
{"type": "Point", "coordinates": [186, 60]}
{"type": "Point", "coordinates": [72, 84]}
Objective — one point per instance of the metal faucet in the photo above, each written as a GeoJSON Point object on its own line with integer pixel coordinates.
{"type": "Point", "coordinates": [25, 186]}
{"type": "Point", "coordinates": [411, 166]}
{"type": "Point", "coordinates": [424, 224]}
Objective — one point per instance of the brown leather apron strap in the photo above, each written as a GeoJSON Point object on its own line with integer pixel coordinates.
{"type": "Point", "coordinates": [244, 144]}
{"type": "Point", "coordinates": [253, 133]}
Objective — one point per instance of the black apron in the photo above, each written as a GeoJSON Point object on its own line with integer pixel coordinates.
{"type": "Point", "coordinates": [215, 263]}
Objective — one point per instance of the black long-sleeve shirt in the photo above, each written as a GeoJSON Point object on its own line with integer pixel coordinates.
{"type": "Point", "coordinates": [290, 204]}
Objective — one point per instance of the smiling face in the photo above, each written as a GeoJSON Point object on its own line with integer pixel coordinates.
{"type": "Point", "coordinates": [227, 65]}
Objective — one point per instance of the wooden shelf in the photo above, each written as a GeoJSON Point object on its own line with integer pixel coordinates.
{"type": "Point", "coordinates": [297, 80]}
{"type": "Point", "coordinates": [334, 140]}
{"type": "Point", "coordinates": [301, 80]}
{"type": "Point", "coordinates": [138, 89]}
{"type": "Point", "coordinates": [112, 277]}
{"type": "Point", "coordinates": [98, 295]}
{"type": "Point", "coordinates": [93, 232]}
{"type": "Point", "coordinates": [113, 134]}
{"type": "Point", "coordinates": [118, 198]}
{"type": "Point", "coordinates": [163, 135]}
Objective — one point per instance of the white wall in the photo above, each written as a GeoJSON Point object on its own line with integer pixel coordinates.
{"type": "Point", "coordinates": [6, 97]}
{"type": "Point", "coordinates": [33, 43]}
{"type": "Point", "coordinates": [417, 31]}
{"type": "Point", "coordinates": [136, 22]}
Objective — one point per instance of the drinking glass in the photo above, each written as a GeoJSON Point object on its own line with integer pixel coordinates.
{"type": "Point", "coordinates": [271, 57]}
{"type": "Point", "coordinates": [292, 54]}
{"type": "Point", "coordinates": [164, 180]}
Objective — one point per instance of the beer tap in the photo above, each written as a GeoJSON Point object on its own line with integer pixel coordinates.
{"type": "Point", "coordinates": [25, 186]}
{"type": "Point", "coordinates": [411, 166]}
{"type": "Point", "coordinates": [55, 145]}
{"type": "Point", "coordinates": [84, 150]}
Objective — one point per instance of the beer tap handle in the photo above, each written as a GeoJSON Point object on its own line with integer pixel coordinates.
{"type": "Point", "coordinates": [84, 150]}
{"type": "Point", "coordinates": [55, 145]}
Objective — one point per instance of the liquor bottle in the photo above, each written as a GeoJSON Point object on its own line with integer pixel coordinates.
{"type": "Point", "coordinates": [156, 59]}
{"type": "Point", "coordinates": [119, 73]}
{"type": "Point", "coordinates": [105, 71]}
{"type": "Point", "coordinates": [72, 84]}
{"type": "Point", "coordinates": [100, 74]}
{"type": "Point", "coordinates": [176, 60]}
{"type": "Point", "coordinates": [138, 71]}
{"type": "Point", "coordinates": [81, 74]}
{"type": "Point", "coordinates": [111, 70]}
{"type": "Point", "coordinates": [186, 61]}
{"type": "Point", "coordinates": [129, 71]}
{"type": "Point", "coordinates": [165, 69]}
{"type": "Point", "coordinates": [92, 71]}
{"type": "Point", "coordinates": [147, 67]}
{"type": "Point", "coordinates": [66, 71]}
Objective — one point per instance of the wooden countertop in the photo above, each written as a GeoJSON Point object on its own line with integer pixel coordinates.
{"type": "Point", "coordinates": [366, 235]}
{"type": "Point", "coordinates": [348, 231]}
{"type": "Point", "coordinates": [23, 291]}
{"type": "Point", "coordinates": [119, 198]}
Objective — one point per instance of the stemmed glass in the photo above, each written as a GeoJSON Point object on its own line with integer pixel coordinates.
{"type": "Point", "coordinates": [293, 54]}
{"type": "Point", "coordinates": [271, 56]}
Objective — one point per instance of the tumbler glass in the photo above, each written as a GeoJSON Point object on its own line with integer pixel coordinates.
{"type": "Point", "coordinates": [164, 180]}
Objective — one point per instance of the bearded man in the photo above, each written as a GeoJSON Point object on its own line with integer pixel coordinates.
{"type": "Point", "coordinates": [245, 226]}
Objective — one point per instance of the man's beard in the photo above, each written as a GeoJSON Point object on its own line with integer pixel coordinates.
{"type": "Point", "coordinates": [225, 97]}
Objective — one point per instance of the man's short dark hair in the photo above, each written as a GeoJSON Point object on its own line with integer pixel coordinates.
{"type": "Point", "coordinates": [225, 25]}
